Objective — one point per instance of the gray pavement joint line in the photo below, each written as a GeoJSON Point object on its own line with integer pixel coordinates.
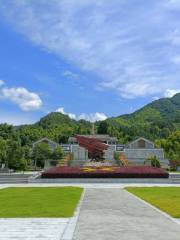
{"type": "Point", "coordinates": [155, 208]}
{"type": "Point", "coordinates": [76, 217]}
{"type": "Point", "coordinates": [61, 235]}
{"type": "Point", "coordinates": [79, 208]}
{"type": "Point", "coordinates": [90, 185]}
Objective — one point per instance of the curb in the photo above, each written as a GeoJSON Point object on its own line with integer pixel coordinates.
{"type": "Point", "coordinates": [71, 226]}
{"type": "Point", "coordinates": [153, 207]}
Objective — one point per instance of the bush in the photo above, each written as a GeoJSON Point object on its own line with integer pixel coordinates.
{"type": "Point", "coordinates": [174, 164]}
{"type": "Point", "coordinates": [154, 161]}
{"type": "Point", "coordinates": [117, 158]}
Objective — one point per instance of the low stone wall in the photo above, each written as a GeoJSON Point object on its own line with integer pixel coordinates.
{"type": "Point", "coordinates": [102, 180]}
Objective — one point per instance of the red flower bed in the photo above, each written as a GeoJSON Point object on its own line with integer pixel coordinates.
{"type": "Point", "coordinates": [105, 172]}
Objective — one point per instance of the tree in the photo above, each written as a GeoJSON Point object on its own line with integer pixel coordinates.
{"type": "Point", "coordinates": [41, 152]}
{"type": "Point", "coordinates": [22, 164]}
{"type": "Point", "coordinates": [171, 145]}
{"type": "Point", "coordinates": [27, 154]}
{"type": "Point", "coordinates": [103, 127]}
{"type": "Point", "coordinates": [3, 151]}
{"type": "Point", "coordinates": [57, 154]}
{"type": "Point", "coordinates": [7, 132]}
{"type": "Point", "coordinates": [15, 156]}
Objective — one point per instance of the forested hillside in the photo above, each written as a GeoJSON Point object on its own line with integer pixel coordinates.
{"type": "Point", "coordinates": [155, 121]}
{"type": "Point", "coordinates": [158, 121]}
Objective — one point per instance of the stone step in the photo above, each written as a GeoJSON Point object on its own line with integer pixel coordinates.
{"type": "Point", "coordinates": [14, 176]}
{"type": "Point", "coordinates": [175, 176]}
{"type": "Point", "coordinates": [14, 179]}
{"type": "Point", "coordinates": [19, 178]}
{"type": "Point", "coordinates": [12, 182]}
{"type": "Point", "coordinates": [6, 177]}
{"type": "Point", "coordinates": [175, 179]}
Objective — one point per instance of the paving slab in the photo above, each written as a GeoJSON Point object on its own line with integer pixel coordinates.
{"type": "Point", "coordinates": [116, 214]}
{"type": "Point", "coordinates": [32, 228]}
{"type": "Point", "coordinates": [38, 228]}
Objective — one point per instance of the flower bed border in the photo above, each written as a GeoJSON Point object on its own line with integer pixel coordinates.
{"type": "Point", "coordinates": [97, 172]}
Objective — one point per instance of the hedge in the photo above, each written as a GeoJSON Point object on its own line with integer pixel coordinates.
{"type": "Point", "coordinates": [105, 172]}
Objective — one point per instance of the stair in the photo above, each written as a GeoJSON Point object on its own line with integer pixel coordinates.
{"type": "Point", "coordinates": [64, 161]}
{"type": "Point", "coordinates": [175, 177]}
{"type": "Point", "coordinates": [123, 160]}
{"type": "Point", "coordinates": [14, 178]}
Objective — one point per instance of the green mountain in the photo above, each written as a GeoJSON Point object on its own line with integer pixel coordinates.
{"type": "Point", "coordinates": [58, 120]}
{"type": "Point", "coordinates": [55, 126]}
{"type": "Point", "coordinates": [164, 108]}
{"type": "Point", "coordinates": [155, 120]}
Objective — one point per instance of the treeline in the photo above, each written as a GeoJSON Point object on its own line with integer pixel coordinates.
{"type": "Point", "coordinates": [17, 154]}
{"type": "Point", "coordinates": [16, 143]}
{"type": "Point", "coordinates": [171, 146]}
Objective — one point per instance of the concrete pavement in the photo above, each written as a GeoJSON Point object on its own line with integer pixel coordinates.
{"type": "Point", "coordinates": [32, 228]}
{"type": "Point", "coordinates": [116, 214]}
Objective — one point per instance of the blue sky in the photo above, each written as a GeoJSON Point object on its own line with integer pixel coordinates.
{"type": "Point", "coordinates": [90, 59]}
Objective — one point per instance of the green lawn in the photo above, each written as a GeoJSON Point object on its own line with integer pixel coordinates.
{"type": "Point", "coordinates": [39, 201]}
{"type": "Point", "coordinates": [165, 198]}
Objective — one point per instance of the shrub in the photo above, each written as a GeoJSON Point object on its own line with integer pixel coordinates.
{"type": "Point", "coordinates": [117, 158]}
{"type": "Point", "coordinates": [174, 164]}
{"type": "Point", "coordinates": [154, 161]}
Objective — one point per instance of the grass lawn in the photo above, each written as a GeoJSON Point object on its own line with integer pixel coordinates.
{"type": "Point", "coordinates": [39, 201]}
{"type": "Point", "coordinates": [165, 198]}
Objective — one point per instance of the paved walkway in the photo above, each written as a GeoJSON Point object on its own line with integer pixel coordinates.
{"type": "Point", "coordinates": [37, 228]}
{"type": "Point", "coordinates": [112, 214]}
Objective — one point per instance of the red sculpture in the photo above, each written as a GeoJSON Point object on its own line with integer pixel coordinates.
{"type": "Point", "coordinates": [94, 146]}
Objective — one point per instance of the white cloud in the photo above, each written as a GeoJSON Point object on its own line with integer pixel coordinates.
{"type": "Point", "coordinates": [26, 100]}
{"type": "Point", "coordinates": [176, 59]}
{"type": "Point", "coordinates": [116, 40]}
{"type": "Point", "coordinates": [133, 90]}
{"type": "Point", "coordinates": [172, 4]}
{"type": "Point", "coordinates": [171, 92]}
{"type": "Point", "coordinates": [1, 83]}
{"type": "Point", "coordinates": [174, 37]}
{"type": "Point", "coordinates": [91, 117]}
{"type": "Point", "coordinates": [61, 110]}
{"type": "Point", "coordinates": [155, 98]}
{"type": "Point", "coordinates": [70, 74]}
